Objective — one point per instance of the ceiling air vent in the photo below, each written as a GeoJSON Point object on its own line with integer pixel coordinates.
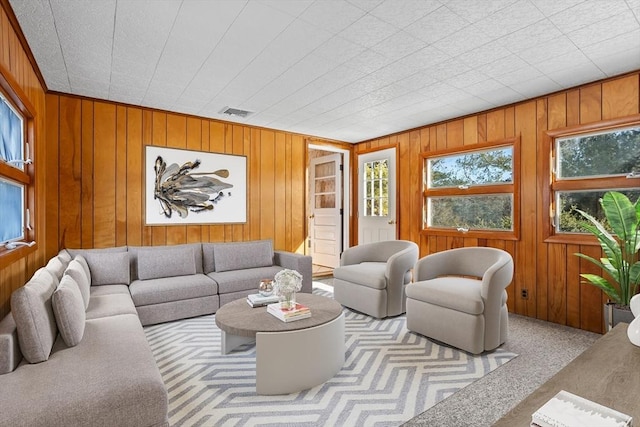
{"type": "Point", "coordinates": [236, 112]}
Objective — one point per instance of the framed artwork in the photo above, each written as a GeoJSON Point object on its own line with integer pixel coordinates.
{"type": "Point", "coordinates": [194, 187]}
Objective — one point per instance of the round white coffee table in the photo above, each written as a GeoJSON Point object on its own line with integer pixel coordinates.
{"type": "Point", "coordinates": [290, 356]}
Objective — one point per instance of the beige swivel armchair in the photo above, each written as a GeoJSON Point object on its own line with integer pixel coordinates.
{"type": "Point", "coordinates": [448, 305]}
{"type": "Point", "coordinates": [372, 277]}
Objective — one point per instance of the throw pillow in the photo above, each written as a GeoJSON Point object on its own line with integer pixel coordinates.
{"type": "Point", "coordinates": [108, 268]}
{"type": "Point", "coordinates": [69, 310]}
{"type": "Point", "coordinates": [79, 275]}
{"type": "Point", "coordinates": [241, 255]}
{"type": "Point", "coordinates": [165, 262]}
{"type": "Point", "coordinates": [56, 266]}
{"type": "Point", "coordinates": [33, 313]}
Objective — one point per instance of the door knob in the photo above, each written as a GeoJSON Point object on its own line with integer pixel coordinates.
{"type": "Point", "coordinates": [312, 216]}
{"type": "Point", "coordinates": [392, 221]}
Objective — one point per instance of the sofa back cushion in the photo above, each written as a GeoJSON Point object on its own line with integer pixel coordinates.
{"type": "Point", "coordinates": [134, 250]}
{"type": "Point", "coordinates": [69, 311]}
{"type": "Point", "coordinates": [208, 264]}
{"type": "Point", "coordinates": [56, 266]}
{"type": "Point", "coordinates": [79, 272]}
{"type": "Point", "coordinates": [105, 266]}
{"type": "Point", "coordinates": [241, 255]}
{"type": "Point", "coordinates": [165, 262]}
{"type": "Point", "coordinates": [33, 313]}
{"type": "Point", "coordinates": [108, 268]}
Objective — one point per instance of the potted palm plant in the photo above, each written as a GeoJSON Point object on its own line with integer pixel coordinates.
{"type": "Point", "coordinates": [620, 250]}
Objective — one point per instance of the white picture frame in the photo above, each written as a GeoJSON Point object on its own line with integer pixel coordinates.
{"type": "Point", "coordinates": [187, 177]}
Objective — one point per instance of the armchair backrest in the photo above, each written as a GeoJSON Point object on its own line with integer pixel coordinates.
{"type": "Point", "coordinates": [374, 252]}
{"type": "Point", "coordinates": [469, 261]}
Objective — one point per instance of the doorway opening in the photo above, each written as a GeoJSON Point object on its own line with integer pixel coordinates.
{"type": "Point", "coordinates": [328, 196]}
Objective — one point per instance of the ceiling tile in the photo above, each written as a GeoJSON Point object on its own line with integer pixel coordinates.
{"type": "Point", "coordinates": [510, 19]}
{"type": "Point", "coordinates": [332, 16]}
{"type": "Point", "coordinates": [460, 42]}
{"type": "Point", "coordinates": [587, 13]}
{"type": "Point", "coordinates": [398, 46]}
{"type": "Point", "coordinates": [535, 87]}
{"type": "Point", "coordinates": [551, 7]}
{"type": "Point", "coordinates": [368, 31]}
{"type": "Point", "coordinates": [603, 30]}
{"type": "Point", "coordinates": [554, 48]}
{"type": "Point", "coordinates": [530, 36]}
{"type": "Point", "coordinates": [338, 49]}
{"type": "Point", "coordinates": [474, 11]}
{"type": "Point", "coordinates": [618, 62]}
{"type": "Point", "coordinates": [401, 13]}
{"type": "Point", "coordinates": [290, 7]}
{"type": "Point", "coordinates": [436, 25]}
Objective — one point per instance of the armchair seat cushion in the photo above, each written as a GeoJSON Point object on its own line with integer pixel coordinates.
{"type": "Point", "coordinates": [370, 274]}
{"type": "Point", "coordinates": [455, 293]}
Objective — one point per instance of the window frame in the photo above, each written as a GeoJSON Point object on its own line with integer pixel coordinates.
{"type": "Point", "coordinates": [551, 185]}
{"type": "Point", "coordinates": [14, 95]}
{"type": "Point", "coordinates": [485, 189]}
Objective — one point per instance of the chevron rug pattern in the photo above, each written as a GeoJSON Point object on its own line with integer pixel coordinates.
{"type": "Point", "coordinates": [390, 375]}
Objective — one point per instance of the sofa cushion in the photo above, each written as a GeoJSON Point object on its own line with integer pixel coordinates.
{"type": "Point", "coordinates": [166, 262]}
{"type": "Point", "coordinates": [65, 256]}
{"type": "Point", "coordinates": [79, 275]}
{"type": "Point", "coordinates": [457, 293]}
{"type": "Point", "coordinates": [33, 313]}
{"type": "Point", "coordinates": [68, 307]}
{"type": "Point", "coordinates": [156, 291]}
{"type": "Point", "coordinates": [108, 268]}
{"type": "Point", "coordinates": [242, 255]}
{"type": "Point", "coordinates": [370, 274]}
{"type": "Point", "coordinates": [56, 266]}
{"type": "Point", "coordinates": [110, 305]}
{"type": "Point", "coordinates": [208, 264]}
{"type": "Point", "coordinates": [133, 255]}
{"type": "Point", "coordinates": [109, 379]}
{"type": "Point", "coordinates": [83, 263]}
{"type": "Point", "coordinates": [97, 291]}
{"type": "Point", "coordinates": [242, 280]}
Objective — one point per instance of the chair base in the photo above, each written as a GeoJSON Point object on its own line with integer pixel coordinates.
{"type": "Point", "coordinates": [461, 330]}
{"type": "Point", "coordinates": [361, 298]}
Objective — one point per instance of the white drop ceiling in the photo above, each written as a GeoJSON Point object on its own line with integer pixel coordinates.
{"type": "Point", "coordinates": [349, 70]}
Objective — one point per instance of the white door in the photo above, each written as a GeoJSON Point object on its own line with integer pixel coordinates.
{"type": "Point", "coordinates": [325, 220]}
{"type": "Point", "coordinates": [377, 196]}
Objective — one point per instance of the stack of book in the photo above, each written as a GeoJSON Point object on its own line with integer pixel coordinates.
{"type": "Point", "coordinates": [567, 409]}
{"type": "Point", "coordinates": [257, 300]}
{"type": "Point", "coordinates": [290, 314]}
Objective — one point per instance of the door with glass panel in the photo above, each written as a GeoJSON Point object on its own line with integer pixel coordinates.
{"type": "Point", "coordinates": [377, 196]}
{"type": "Point", "coordinates": [325, 220]}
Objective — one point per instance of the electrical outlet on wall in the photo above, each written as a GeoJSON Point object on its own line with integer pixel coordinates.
{"type": "Point", "coordinates": [524, 294]}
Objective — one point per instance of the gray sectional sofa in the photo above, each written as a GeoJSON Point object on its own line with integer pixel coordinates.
{"type": "Point", "coordinates": [73, 351]}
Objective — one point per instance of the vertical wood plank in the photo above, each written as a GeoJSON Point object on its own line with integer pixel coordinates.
{"type": "Point", "coordinates": [147, 139]}
{"type": "Point", "coordinates": [455, 133]}
{"type": "Point", "coordinates": [238, 149]}
{"type": "Point", "coordinates": [573, 286]}
{"type": "Point", "coordinates": [590, 297]}
{"type": "Point", "coordinates": [121, 175]}
{"type": "Point", "coordinates": [557, 283]}
{"type": "Point", "coordinates": [620, 97]}
{"type": "Point", "coordinates": [298, 199]}
{"type": "Point", "coordinates": [280, 196]}
{"type": "Point", "coordinates": [470, 130]}
{"type": "Point", "coordinates": [590, 103]}
{"type": "Point", "coordinates": [267, 183]}
{"type": "Point", "coordinates": [87, 174]}
{"type": "Point", "coordinates": [216, 145]}
{"type": "Point", "coordinates": [135, 179]}
{"type": "Point", "coordinates": [52, 182]}
{"type": "Point", "coordinates": [495, 125]}
{"type": "Point", "coordinates": [70, 173]}
{"type": "Point", "coordinates": [104, 186]}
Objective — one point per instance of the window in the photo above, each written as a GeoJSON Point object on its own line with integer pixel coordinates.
{"type": "Point", "coordinates": [16, 175]}
{"type": "Point", "coordinates": [473, 191]}
{"type": "Point", "coordinates": [376, 186]}
{"type": "Point", "coordinates": [586, 162]}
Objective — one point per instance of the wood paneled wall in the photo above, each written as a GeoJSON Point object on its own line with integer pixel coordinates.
{"type": "Point", "coordinates": [549, 272]}
{"type": "Point", "coordinates": [15, 61]}
{"type": "Point", "coordinates": [96, 200]}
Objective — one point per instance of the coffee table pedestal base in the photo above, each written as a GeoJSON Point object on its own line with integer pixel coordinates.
{"type": "Point", "coordinates": [292, 361]}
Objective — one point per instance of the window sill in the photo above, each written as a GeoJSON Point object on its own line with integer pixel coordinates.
{"type": "Point", "coordinates": [9, 256]}
{"type": "Point", "coordinates": [473, 234]}
{"type": "Point", "coordinates": [573, 239]}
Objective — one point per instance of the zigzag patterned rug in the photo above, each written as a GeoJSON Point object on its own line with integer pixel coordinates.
{"type": "Point", "coordinates": [390, 376]}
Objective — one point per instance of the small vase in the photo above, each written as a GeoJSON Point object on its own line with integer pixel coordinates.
{"type": "Point", "coordinates": [288, 300]}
